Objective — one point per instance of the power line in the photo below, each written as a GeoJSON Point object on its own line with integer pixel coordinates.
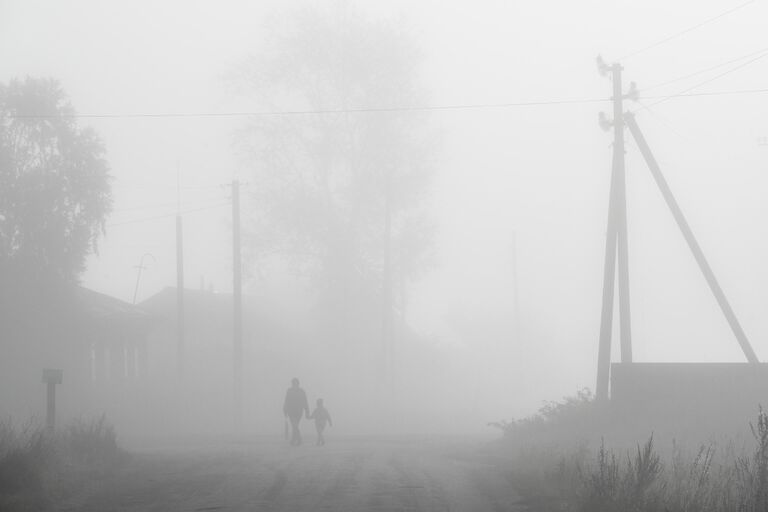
{"type": "Point", "coordinates": [737, 92]}
{"type": "Point", "coordinates": [122, 185]}
{"type": "Point", "coordinates": [361, 110]}
{"type": "Point", "coordinates": [144, 207]}
{"type": "Point", "coordinates": [685, 31]}
{"type": "Point", "coordinates": [685, 92]}
{"type": "Point", "coordinates": [387, 109]}
{"type": "Point", "coordinates": [705, 70]}
{"type": "Point", "coordinates": [165, 216]}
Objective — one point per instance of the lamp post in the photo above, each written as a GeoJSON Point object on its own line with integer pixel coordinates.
{"type": "Point", "coordinates": [141, 267]}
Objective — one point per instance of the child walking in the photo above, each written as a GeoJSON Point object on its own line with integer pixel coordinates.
{"type": "Point", "coordinates": [321, 417]}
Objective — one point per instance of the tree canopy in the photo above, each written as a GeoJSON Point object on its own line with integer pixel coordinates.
{"type": "Point", "coordinates": [336, 192]}
{"type": "Point", "coordinates": [54, 182]}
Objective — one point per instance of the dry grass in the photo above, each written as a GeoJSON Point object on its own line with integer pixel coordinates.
{"type": "Point", "coordinates": [561, 472]}
{"type": "Point", "coordinates": [38, 469]}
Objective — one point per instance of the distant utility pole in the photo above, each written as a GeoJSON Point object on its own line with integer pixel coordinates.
{"type": "Point", "coordinates": [616, 241]}
{"type": "Point", "coordinates": [141, 267]}
{"type": "Point", "coordinates": [237, 328]}
{"type": "Point", "coordinates": [179, 296]}
{"type": "Point", "coordinates": [179, 279]}
{"type": "Point", "coordinates": [515, 288]}
{"type": "Point", "coordinates": [387, 321]}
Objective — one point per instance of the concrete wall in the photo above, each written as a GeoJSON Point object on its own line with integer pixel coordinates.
{"type": "Point", "coordinates": [689, 398]}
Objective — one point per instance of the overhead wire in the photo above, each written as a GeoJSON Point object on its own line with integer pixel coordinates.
{"type": "Point", "coordinates": [687, 30]}
{"type": "Point", "coordinates": [704, 70]}
{"type": "Point", "coordinates": [393, 109]}
{"type": "Point", "coordinates": [468, 106]}
{"type": "Point", "coordinates": [165, 216]}
{"type": "Point", "coordinates": [686, 91]}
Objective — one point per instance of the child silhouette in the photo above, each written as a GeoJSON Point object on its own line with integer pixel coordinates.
{"type": "Point", "coordinates": [321, 417]}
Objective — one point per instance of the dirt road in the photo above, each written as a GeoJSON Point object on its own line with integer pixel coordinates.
{"type": "Point", "coordinates": [345, 475]}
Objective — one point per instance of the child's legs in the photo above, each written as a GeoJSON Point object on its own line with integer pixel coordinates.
{"type": "Point", "coordinates": [320, 427]}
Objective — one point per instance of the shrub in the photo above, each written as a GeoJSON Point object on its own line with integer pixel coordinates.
{"type": "Point", "coordinates": [24, 454]}
{"type": "Point", "coordinates": [558, 475]}
{"type": "Point", "coordinates": [37, 468]}
{"type": "Point", "coordinates": [91, 442]}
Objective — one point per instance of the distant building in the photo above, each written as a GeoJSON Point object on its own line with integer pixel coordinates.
{"type": "Point", "coordinates": [98, 341]}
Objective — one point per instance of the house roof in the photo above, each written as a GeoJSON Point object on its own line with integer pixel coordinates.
{"type": "Point", "coordinates": [101, 307]}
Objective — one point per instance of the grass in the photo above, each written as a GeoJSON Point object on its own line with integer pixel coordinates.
{"type": "Point", "coordinates": [24, 452]}
{"type": "Point", "coordinates": [38, 469]}
{"type": "Point", "coordinates": [555, 466]}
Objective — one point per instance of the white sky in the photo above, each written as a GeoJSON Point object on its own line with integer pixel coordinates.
{"type": "Point", "coordinates": [541, 172]}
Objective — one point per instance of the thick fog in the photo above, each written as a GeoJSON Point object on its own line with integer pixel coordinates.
{"type": "Point", "coordinates": [483, 116]}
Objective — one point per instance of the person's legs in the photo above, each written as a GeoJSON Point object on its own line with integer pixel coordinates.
{"type": "Point", "coordinates": [320, 438]}
{"type": "Point", "coordinates": [295, 433]}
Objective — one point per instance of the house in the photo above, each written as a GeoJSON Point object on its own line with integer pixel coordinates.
{"type": "Point", "coordinates": [98, 341]}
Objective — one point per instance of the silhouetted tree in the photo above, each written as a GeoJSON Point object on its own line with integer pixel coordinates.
{"type": "Point", "coordinates": [54, 183]}
{"type": "Point", "coordinates": [323, 184]}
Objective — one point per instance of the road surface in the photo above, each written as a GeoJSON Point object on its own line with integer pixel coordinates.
{"type": "Point", "coordinates": [345, 475]}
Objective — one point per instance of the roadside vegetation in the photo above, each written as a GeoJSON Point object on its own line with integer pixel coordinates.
{"type": "Point", "coordinates": [39, 470]}
{"type": "Point", "coordinates": [558, 460]}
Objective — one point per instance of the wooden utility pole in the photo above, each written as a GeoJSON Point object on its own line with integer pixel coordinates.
{"type": "Point", "coordinates": [179, 296]}
{"type": "Point", "coordinates": [180, 330]}
{"type": "Point", "coordinates": [387, 312]}
{"type": "Point", "coordinates": [237, 327]}
{"type": "Point", "coordinates": [685, 229]}
{"type": "Point", "coordinates": [515, 288]}
{"type": "Point", "coordinates": [616, 241]}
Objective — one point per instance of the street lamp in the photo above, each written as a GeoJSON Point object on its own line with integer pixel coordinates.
{"type": "Point", "coordinates": [141, 267]}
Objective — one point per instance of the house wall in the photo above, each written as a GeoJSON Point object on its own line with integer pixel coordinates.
{"type": "Point", "coordinates": [704, 398]}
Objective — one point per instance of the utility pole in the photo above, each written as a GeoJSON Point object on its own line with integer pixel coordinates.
{"type": "Point", "coordinates": [616, 242]}
{"type": "Point", "coordinates": [387, 313]}
{"type": "Point", "coordinates": [179, 280]}
{"type": "Point", "coordinates": [179, 296]}
{"type": "Point", "coordinates": [515, 288]}
{"type": "Point", "coordinates": [141, 267]}
{"type": "Point", "coordinates": [237, 327]}
{"type": "Point", "coordinates": [693, 244]}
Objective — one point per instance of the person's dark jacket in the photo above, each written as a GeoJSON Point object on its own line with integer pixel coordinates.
{"type": "Point", "coordinates": [295, 403]}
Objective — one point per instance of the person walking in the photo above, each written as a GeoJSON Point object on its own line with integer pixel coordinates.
{"type": "Point", "coordinates": [295, 404]}
{"type": "Point", "coordinates": [322, 418]}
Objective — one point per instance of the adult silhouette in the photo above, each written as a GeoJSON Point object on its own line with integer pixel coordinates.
{"type": "Point", "coordinates": [295, 404]}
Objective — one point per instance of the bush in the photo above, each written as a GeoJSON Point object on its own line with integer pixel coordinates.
{"type": "Point", "coordinates": [575, 419]}
{"type": "Point", "coordinates": [555, 471]}
{"type": "Point", "coordinates": [37, 469]}
{"type": "Point", "coordinates": [93, 442]}
{"type": "Point", "coordinates": [24, 454]}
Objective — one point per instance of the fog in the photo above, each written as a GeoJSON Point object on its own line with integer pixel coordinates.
{"type": "Point", "coordinates": [490, 112]}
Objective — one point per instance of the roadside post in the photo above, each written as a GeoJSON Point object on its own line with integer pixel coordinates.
{"type": "Point", "coordinates": [51, 377]}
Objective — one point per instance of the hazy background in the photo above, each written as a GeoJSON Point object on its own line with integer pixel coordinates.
{"type": "Point", "coordinates": [530, 177]}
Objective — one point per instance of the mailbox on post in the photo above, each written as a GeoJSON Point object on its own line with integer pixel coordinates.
{"type": "Point", "coordinates": [52, 377]}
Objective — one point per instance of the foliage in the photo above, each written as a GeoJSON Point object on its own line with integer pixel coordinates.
{"type": "Point", "coordinates": [572, 418]}
{"type": "Point", "coordinates": [628, 486]}
{"type": "Point", "coordinates": [54, 183]}
{"type": "Point", "coordinates": [711, 480]}
{"type": "Point", "coordinates": [24, 454]}
{"type": "Point", "coordinates": [325, 184]}
{"type": "Point", "coordinates": [37, 469]}
{"type": "Point", "coordinates": [92, 441]}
